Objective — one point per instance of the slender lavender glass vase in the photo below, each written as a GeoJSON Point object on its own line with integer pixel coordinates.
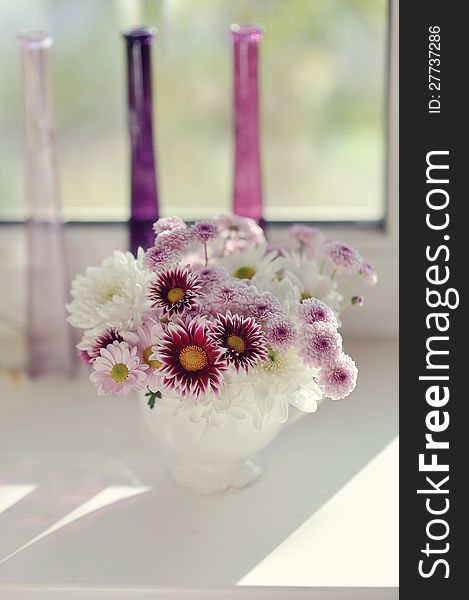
{"type": "Point", "coordinates": [50, 342]}
{"type": "Point", "coordinates": [144, 191]}
{"type": "Point", "coordinates": [247, 185]}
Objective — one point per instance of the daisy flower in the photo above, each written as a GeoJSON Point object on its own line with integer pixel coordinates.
{"type": "Point", "coordinates": [144, 338]}
{"type": "Point", "coordinates": [175, 290]}
{"type": "Point", "coordinates": [250, 262]}
{"type": "Point", "coordinates": [192, 363]}
{"type": "Point", "coordinates": [319, 344]}
{"type": "Point", "coordinates": [168, 224]}
{"type": "Point", "coordinates": [339, 378]}
{"type": "Point", "coordinates": [309, 282]}
{"type": "Point", "coordinates": [368, 273]}
{"type": "Point", "coordinates": [111, 295]}
{"type": "Point", "coordinates": [241, 338]}
{"type": "Point", "coordinates": [118, 370]}
{"type": "Point", "coordinates": [204, 231]}
{"type": "Point", "coordinates": [312, 311]}
{"type": "Point", "coordinates": [343, 257]}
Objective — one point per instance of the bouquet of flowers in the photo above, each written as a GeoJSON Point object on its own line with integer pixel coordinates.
{"type": "Point", "coordinates": [216, 317]}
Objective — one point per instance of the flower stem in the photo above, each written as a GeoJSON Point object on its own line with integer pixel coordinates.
{"type": "Point", "coordinates": [206, 253]}
{"type": "Point", "coordinates": [321, 266]}
{"type": "Point", "coordinates": [333, 274]}
{"type": "Point", "coordinates": [349, 283]}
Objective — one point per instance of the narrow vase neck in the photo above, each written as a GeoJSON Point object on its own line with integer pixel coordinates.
{"type": "Point", "coordinates": [144, 191]}
{"type": "Point", "coordinates": [247, 185]}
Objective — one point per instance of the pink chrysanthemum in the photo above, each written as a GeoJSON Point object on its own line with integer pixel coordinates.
{"type": "Point", "coordinates": [118, 370]}
{"type": "Point", "coordinates": [168, 224]}
{"type": "Point", "coordinates": [175, 291]}
{"type": "Point", "coordinates": [192, 363]}
{"type": "Point", "coordinates": [241, 339]}
{"type": "Point", "coordinates": [266, 307]}
{"type": "Point", "coordinates": [312, 311]}
{"type": "Point", "coordinates": [177, 240]}
{"type": "Point", "coordinates": [319, 344]}
{"type": "Point", "coordinates": [161, 257]}
{"type": "Point", "coordinates": [204, 231]}
{"type": "Point", "coordinates": [108, 336]}
{"type": "Point", "coordinates": [234, 295]}
{"type": "Point", "coordinates": [144, 338]}
{"type": "Point", "coordinates": [210, 277]}
{"type": "Point", "coordinates": [368, 273]}
{"type": "Point", "coordinates": [339, 378]}
{"type": "Point", "coordinates": [309, 239]}
{"type": "Point", "coordinates": [280, 334]}
{"type": "Point", "coordinates": [343, 257]}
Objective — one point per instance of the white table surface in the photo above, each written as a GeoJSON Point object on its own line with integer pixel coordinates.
{"type": "Point", "coordinates": [86, 507]}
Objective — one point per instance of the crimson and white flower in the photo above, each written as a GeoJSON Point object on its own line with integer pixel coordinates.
{"type": "Point", "coordinates": [118, 370]}
{"type": "Point", "coordinates": [175, 291]}
{"type": "Point", "coordinates": [192, 362]}
{"type": "Point", "coordinates": [242, 340]}
{"type": "Point", "coordinates": [111, 295]}
{"type": "Point", "coordinates": [90, 347]}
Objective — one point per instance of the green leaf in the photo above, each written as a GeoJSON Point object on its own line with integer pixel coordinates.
{"type": "Point", "coordinates": [152, 396]}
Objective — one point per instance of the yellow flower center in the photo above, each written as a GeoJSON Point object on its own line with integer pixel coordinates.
{"type": "Point", "coordinates": [274, 361]}
{"type": "Point", "coordinates": [245, 272]}
{"type": "Point", "coordinates": [193, 358]}
{"type": "Point", "coordinates": [119, 372]}
{"type": "Point", "coordinates": [109, 295]}
{"type": "Point", "coordinates": [306, 296]}
{"type": "Point", "coordinates": [236, 343]}
{"type": "Point", "coordinates": [154, 364]}
{"type": "Point", "coordinates": [176, 295]}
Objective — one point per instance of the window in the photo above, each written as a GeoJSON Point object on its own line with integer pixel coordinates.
{"type": "Point", "coordinates": [323, 73]}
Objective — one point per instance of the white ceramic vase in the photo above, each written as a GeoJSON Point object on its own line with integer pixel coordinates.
{"type": "Point", "coordinates": [211, 458]}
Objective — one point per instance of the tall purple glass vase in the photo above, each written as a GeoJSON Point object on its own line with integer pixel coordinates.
{"type": "Point", "coordinates": [50, 342]}
{"type": "Point", "coordinates": [247, 185]}
{"type": "Point", "coordinates": [144, 191]}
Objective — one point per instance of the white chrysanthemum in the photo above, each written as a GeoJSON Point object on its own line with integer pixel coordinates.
{"type": "Point", "coordinates": [304, 274]}
{"type": "Point", "coordinates": [282, 288]}
{"type": "Point", "coordinates": [251, 263]}
{"type": "Point", "coordinates": [111, 295]}
{"type": "Point", "coordinates": [262, 395]}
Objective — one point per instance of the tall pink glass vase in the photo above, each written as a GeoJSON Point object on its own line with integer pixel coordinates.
{"type": "Point", "coordinates": [50, 344]}
{"type": "Point", "coordinates": [144, 190]}
{"type": "Point", "coordinates": [247, 185]}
